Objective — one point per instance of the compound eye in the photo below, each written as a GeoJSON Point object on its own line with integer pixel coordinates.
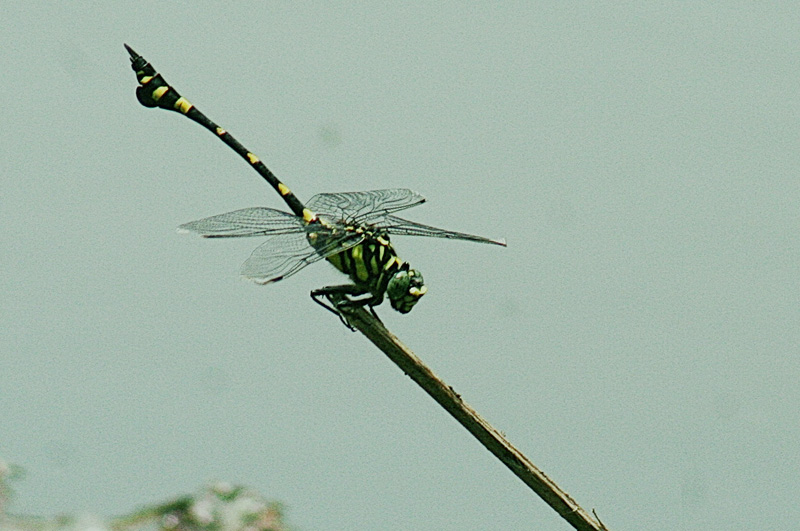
{"type": "Point", "coordinates": [405, 289]}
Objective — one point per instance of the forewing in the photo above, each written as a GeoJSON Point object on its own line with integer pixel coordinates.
{"type": "Point", "coordinates": [402, 227]}
{"type": "Point", "coordinates": [256, 221]}
{"type": "Point", "coordinates": [364, 207]}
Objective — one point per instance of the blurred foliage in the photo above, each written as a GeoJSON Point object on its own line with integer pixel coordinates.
{"type": "Point", "coordinates": [217, 507]}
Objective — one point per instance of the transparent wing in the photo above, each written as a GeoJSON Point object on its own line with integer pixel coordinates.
{"type": "Point", "coordinates": [285, 254]}
{"type": "Point", "coordinates": [403, 227]}
{"type": "Point", "coordinates": [364, 207]}
{"type": "Point", "coordinates": [256, 221]}
{"type": "Point", "coordinates": [279, 257]}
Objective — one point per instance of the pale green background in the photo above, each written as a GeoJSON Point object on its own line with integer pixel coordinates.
{"type": "Point", "coordinates": [638, 339]}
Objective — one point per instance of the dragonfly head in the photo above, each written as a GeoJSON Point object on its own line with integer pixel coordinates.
{"type": "Point", "coordinates": [405, 288]}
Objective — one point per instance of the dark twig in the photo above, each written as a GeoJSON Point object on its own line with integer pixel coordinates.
{"type": "Point", "coordinates": [489, 437]}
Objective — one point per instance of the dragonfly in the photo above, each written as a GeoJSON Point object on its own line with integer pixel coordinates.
{"type": "Point", "coordinates": [350, 230]}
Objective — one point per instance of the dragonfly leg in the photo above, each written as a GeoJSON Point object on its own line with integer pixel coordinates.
{"type": "Point", "coordinates": [339, 296]}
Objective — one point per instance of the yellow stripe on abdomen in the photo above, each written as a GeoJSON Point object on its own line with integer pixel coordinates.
{"type": "Point", "coordinates": [183, 105]}
{"type": "Point", "coordinates": [361, 272]}
{"type": "Point", "coordinates": [159, 92]}
{"type": "Point", "coordinates": [308, 216]}
{"type": "Point", "coordinates": [336, 261]}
